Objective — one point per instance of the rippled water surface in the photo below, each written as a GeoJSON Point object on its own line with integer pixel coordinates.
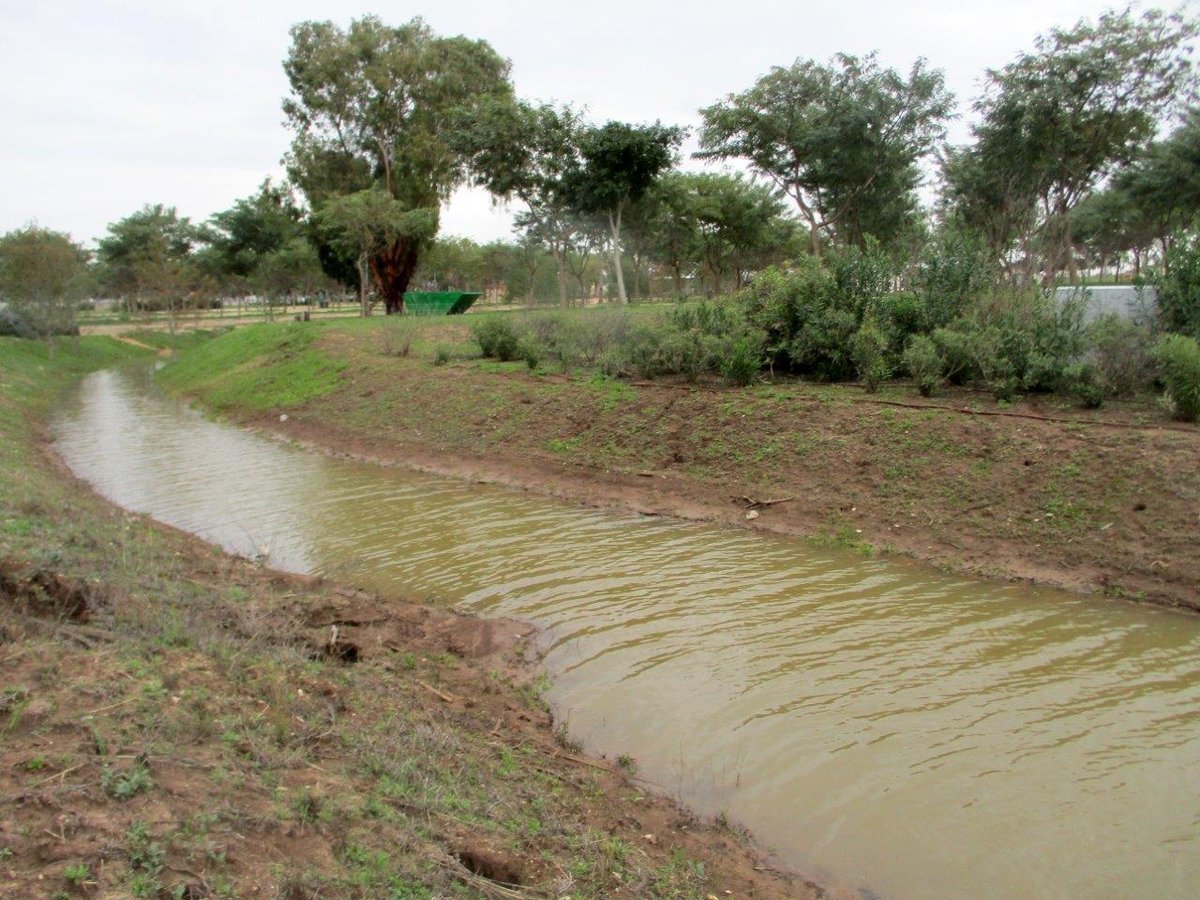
{"type": "Point", "coordinates": [918, 735]}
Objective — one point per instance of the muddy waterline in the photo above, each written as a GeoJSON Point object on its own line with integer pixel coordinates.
{"type": "Point", "coordinates": [875, 723]}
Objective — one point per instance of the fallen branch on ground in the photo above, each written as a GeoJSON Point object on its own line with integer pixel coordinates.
{"type": "Point", "coordinates": [751, 503]}
{"type": "Point", "coordinates": [447, 697]}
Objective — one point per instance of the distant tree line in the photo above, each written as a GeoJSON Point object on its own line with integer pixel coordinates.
{"type": "Point", "coordinates": [1084, 159]}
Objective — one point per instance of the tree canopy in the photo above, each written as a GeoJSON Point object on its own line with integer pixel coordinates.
{"type": "Point", "coordinates": [43, 274]}
{"type": "Point", "coordinates": [524, 151]}
{"type": "Point", "coordinates": [147, 252]}
{"type": "Point", "coordinates": [1053, 122]}
{"type": "Point", "coordinates": [843, 140]}
{"type": "Point", "coordinates": [1073, 163]}
{"type": "Point", "coordinates": [618, 164]}
{"type": "Point", "coordinates": [240, 237]}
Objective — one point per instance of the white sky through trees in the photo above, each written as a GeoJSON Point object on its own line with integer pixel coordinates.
{"type": "Point", "coordinates": [107, 105]}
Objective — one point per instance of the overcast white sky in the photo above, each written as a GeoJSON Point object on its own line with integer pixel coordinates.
{"type": "Point", "coordinates": [108, 105]}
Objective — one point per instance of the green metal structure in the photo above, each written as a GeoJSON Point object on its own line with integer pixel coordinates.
{"type": "Point", "coordinates": [439, 303]}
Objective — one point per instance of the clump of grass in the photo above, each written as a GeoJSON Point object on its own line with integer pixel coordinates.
{"type": "Point", "coordinates": [76, 874]}
{"type": "Point", "coordinates": [145, 853]}
{"type": "Point", "coordinates": [396, 337]}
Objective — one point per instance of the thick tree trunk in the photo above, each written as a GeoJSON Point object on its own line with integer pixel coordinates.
{"type": "Point", "coordinates": [363, 274]}
{"type": "Point", "coordinates": [393, 269]}
{"type": "Point", "coordinates": [1072, 268]}
{"type": "Point", "coordinates": [615, 225]}
{"type": "Point", "coordinates": [560, 262]}
{"type": "Point", "coordinates": [1068, 248]}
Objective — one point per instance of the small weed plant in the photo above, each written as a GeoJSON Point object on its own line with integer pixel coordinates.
{"type": "Point", "coordinates": [128, 784]}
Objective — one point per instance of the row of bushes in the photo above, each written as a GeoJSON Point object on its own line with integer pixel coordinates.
{"type": "Point", "coordinates": [840, 319]}
{"type": "Point", "coordinates": [689, 342]}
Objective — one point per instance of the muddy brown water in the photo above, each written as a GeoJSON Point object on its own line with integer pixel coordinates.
{"type": "Point", "coordinates": [875, 723]}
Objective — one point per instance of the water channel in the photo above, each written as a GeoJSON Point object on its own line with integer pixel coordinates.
{"type": "Point", "coordinates": [874, 722]}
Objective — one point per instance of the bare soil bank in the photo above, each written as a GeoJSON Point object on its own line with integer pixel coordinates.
{"type": "Point", "coordinates": [1100, 502]}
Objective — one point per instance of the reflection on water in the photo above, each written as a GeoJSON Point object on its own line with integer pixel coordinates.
{"type": "Point", "coordinates": [923, 736]}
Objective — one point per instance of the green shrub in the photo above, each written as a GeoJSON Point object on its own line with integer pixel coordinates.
{"type": "Point", "coordinates": [994, 362]}
{"type": "Point", "coordinates": [712, 318]}
{"type": "Point", "coordinates": [808, 314]}
{"type": "Point", "coordinates": [642, 351]}
{"type": "Point", "coordinates": [822, 346]}
{"type": "Point", "coordinates": [901, 315]}
{"type": "Point", "coordinates": [1122, 354]}
{"type": "Point", "coordinates": [1087, 383]}
{"type": "Point", "coordinates": [497, 338]}
{"type": "Point", "coordinates": [740, 360]}
{"type": "Point", "coordinates": [1179, 289]}
{"type": "Point", "coordinates": [547, 335]}
{"type": "Point", "coordinates": [683, 353]}
{"type": "Point", "coordinates": [863, 276]}
{"type": "Point", "coordinates": [781, 304]}
{"type": "Point", "coordinates": [1031, 334]}
{"type": "Point", "coordinates": [1014, 341]}
{"type": "Point", "coordinates": [441, 355]}
{"type": "Point", "coordinates": [869, 349]}
{"type": "Point", "coordinates": [954, 268]}
{"type": "Point", "coordinates": [585, 340]}
{"type": "Point", "coordinates": [957, 351]}
{"type": "Point", "coordinates": [924, 364]}
{"type": "Point", "coordinates": [530, 353]}
{"type": "Point", "coordinates": [613, 363]}
{"type": "Point", "coordinates": [1179, 356]}
{"type": "Point", "coordinates": [710, 337]}
{"type": "Point", "coordinates": [545, 328]}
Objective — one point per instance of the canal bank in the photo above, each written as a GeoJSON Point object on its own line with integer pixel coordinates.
{"type": "Point", "coordinates": [1045, 742]}
{"type": "Point", "coordinates": [175, 719]}
{"type": "Point", "coordinates": [1039, 491]}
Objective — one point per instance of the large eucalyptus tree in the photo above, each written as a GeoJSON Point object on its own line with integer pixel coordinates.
{"type": "Point", "coordinates": [372, 107]}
